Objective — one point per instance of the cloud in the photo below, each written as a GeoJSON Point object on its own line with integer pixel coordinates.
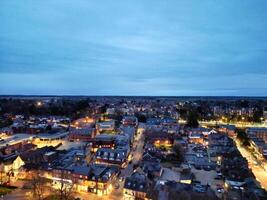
{"type": "Point", "coordinates": [177, 47]}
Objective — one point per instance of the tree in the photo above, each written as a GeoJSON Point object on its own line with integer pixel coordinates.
{"type": "Point", "coordinates": [38, 183]}
{"type": "Point", "coordinates": [242, 136]}
{"type": "Point", "coordinates": [192, 119]}
{"type": "Point", "coordinates": [141, 118]}
{"type": "Point", "coordinates": [2, 172]}
{"type": "Point", "coordinates": [178, 151]}
{"type": "Point", "coordinates": [257, 115]}
{"type": "Point", "coordinates": [65, 189]}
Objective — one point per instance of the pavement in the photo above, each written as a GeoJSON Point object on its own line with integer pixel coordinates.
{"type": "Point", "coordinates": [17, 194]}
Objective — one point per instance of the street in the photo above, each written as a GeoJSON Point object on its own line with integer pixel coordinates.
{"type": "Point", "coordinates": [117, 194]}
{"type": "Point", "coordinates": [258, 170]}
{"type": "Point", "coordinates": [137, 154]}
{"type": "Point", "coordinates": [238, 124]}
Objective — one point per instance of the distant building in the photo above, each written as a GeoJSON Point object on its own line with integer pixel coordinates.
{"type": "Point", "coordinates": [6, 131]}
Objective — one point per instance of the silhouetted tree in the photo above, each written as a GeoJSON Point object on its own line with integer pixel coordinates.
{"type": "Point", "coordinates": [192, 119]}
{"type": "Point", "coordinates": [178, 151]}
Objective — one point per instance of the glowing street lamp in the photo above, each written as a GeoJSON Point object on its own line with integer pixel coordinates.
{"type": "Point", "coordinates": [219, 159]}
{"type": "Point", "coordinates": [39, 103]}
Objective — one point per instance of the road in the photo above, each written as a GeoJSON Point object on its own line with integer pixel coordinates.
{"type": "Point", "coordinates": [238, 124]}
{"type": "Point", "coordinates": [258, 170]}
{"type": "Point", "coordinates": [137, 153]}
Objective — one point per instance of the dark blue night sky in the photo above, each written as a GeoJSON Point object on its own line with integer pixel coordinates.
{"type": "Point", "coordinates": [132, 47]}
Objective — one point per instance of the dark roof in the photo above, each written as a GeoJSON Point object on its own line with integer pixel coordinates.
{"type": "Point", "coordinates": [137, 182]}
{"type": "Point", "coordinates": [81, 170]}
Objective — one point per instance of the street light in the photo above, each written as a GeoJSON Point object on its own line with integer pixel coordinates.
{"type": "Point", "coordinates": [39, 103]}
{"type": "Point", "coordinates": [219, 159]}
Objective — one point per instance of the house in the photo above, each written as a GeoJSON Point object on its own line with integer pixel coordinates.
{"type": "Point", "coordinates": [109, 156]}
{"type": "Point", "coordinates": [169, 122]}
{"type": "Point", "coordinates": [170, 190]}
{"type": "Point", "coordinates": [6, 131]}
{"type": "Point", "coordinates": [257, 132]}
{"type": "Point", "coordinates": [130, 121]}
{"type": "Point", "coordinates": [228, 129]}
{"type": "Point", "coordinates": [135, 186]}
{"type": "Point", "coordinates": [106, 126]}
{"type": "Point", "coordinates": [12, 165]}
{"type": "Point", "coordinates": [160, 139]}
{"type": "Point", "coordinates": [15, 143]}
{"type": "Point", "coordinates": [103, 140]}
{"type": "Point", "coordinates": [151, 166]}
{"type": "Point", "coordinates": [82, 134]}
{"type": "Point", "coordinates": [196, 138]}
{"type": "Point", "coordinates": [154, 124]}
{"type": "Point", "coordinates": [39, 157]}
{"type": "Point", "coordinates": [94, 178]}
{"type": "Point", "coordinates": [235, 168]}
{"type": "Point", "coordinates": [129, 132]}
{"type": "Point", "coordinates": [200, 130]}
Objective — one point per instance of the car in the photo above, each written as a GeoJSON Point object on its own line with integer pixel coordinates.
{"type": "Point", "coordinates": [207, 168]}
{"type": "Point", "coordinates": [199, 188]}
{"type": "Point", "coordinates": [198, 167]}
{"type": "Point", "coordinates": [196, 182]}
{"type": "Point", "coordinates": [221, 190]}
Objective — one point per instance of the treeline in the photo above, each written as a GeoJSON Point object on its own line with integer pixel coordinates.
{"type": "Point", "coordinates": [68, 108]}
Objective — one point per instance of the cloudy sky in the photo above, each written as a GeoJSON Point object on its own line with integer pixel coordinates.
{"type": "Point", "coordinates": [146, 47]}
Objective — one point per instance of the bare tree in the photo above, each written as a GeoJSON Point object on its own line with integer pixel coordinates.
{"type": "Point", "coordinates": [66, 187]}
{"type": "Point", "coordinates": [38, 186]}
{"type": "Point", "coordinates": [2, 172]}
